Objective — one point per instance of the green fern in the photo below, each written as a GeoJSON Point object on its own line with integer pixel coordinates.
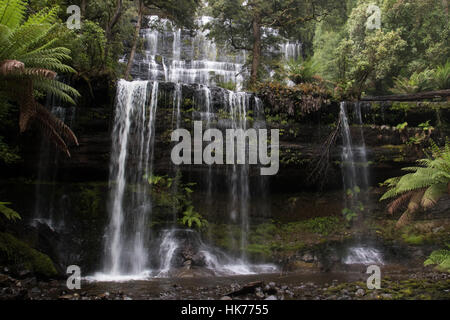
{"type": "Point", "coordinates": [440, 258]}
{"type": "Point", "coordinates": [430, 181]}
{"type": "Point", "coordinates": [9, 213]}
{"type": "Point", "coordinates": [441, 77]}
{"type": "Point", "coordinates": [29, 61]}
{"type": "Point", "coordinates": [417, 82]}
{"type": "Point", "coordinates": [191, 218]}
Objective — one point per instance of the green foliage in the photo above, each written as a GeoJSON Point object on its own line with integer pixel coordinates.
{"type": "Point", "coordinates": [88, 44]}
{"type": "Point", "coordinates": [350, 214]}
{"type": "Point", "coordinates": [434, 174]}
{"type": "Point", "coordinates": [440, 258]}
{"type": "Point", "coordinates": [192, 218]}
{"type": "Point", "coordinates": [441, 77]}
{"type": "Point", "coordinates": [323, 225]}
{"type": "Point", "coordinates": [294, 101]}
{"type": "Point", "coordinates": [300, 71]}
{"type": "Point", "coordinates": [9, 213]}
{"type": "Point", "coordinates": [401, 126]}
{"type": "Point", "coordinates": [424, 185]}
{"type": "Point", "coordinates": [417, 82]}
{"type": "Point", "coordinates": [227, 85]}
{"type": "Point", "coordinates": [235, 19]}
{"type": "Point", "coordinates": [30, 40]}
{"type": "Point", "coordinates": [414, 37]}
{"type": "Point", "coordinates": [7, 154]}
{"type": "Point", "coordinates": [17, 254]}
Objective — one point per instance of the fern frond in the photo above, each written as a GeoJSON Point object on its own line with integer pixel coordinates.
{"type": "Point", "coordinates": [9, 213]}
{"type": "Point", "coordinates": [12, 12]}
{"type": "Point", "coordinates": [58, 125]}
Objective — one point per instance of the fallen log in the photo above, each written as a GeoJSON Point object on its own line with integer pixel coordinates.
{"type": "Point", "coordinates": [440, 94]}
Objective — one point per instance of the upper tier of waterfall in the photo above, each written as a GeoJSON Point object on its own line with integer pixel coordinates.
{"type": "Point", "coordinates": [176, 55]}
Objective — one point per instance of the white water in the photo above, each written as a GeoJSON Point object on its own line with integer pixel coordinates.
{"type": "Point", "coordinates": [353, 156]}
{"type": "Point", "coordinates": [51, 208]}
{"type": "Point", "coordinates": [363, 255]}
{"type": "Point", "coordinates": [172, 55]}
{"type": "Point", "coordinates": [126, 252]}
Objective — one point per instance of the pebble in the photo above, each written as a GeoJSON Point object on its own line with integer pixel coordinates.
{"type": "Point", "coordinates": [271, 298]}
{"type": "Point", "coordinates": [360, 292]}
{"type": "Point", "coordinates": [226, 298]}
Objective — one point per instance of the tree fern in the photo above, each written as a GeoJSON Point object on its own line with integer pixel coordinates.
{"type": "Point", "coordinates": [29, 61]}
{"type": "Point", "coordinates": [430, 180]}
{"type": "Point", "coordinates": [9, 213]}
{"type": "Point", "coordinates": [440, 258]}
{"type": "Point", "coordinates": [11, 12]}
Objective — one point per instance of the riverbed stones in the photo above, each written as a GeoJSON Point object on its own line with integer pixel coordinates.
{"type": "Point", "coordinates": [360, 292]}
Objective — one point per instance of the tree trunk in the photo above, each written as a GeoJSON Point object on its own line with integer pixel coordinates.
{"type": "Point", "coordinates": [413, 207]}
{"type": "Point", "coordinates": [256, 51]}
{"type": "Point", "coordinates": [83, 7]}
{"type": "Point", "coordinates": [109, 26]}
{"type": "Point", "coordinates": [135, 39]}
{"type": "Point", "coordinates": [405, 219]}
{"type": "Point", "coordinates": [411, 97]}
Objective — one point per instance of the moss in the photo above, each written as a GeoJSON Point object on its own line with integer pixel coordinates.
{"type": "Point", "coordinates": [188, 104]}
{"type": "Point", "coordinates": [413, 239]}
{"type": "Point", "coordinates": [259, 250]}
{"type": "Point", "coordinates": [324, 225]}
{"type": "Point", "coordinates": [17, 254]}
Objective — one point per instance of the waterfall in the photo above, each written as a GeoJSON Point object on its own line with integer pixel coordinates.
{"type": "Point", "coordinates": [292, 50]}
{"type": "Point", "coordinates": [166, 251]}
{"type": "Point", "coordinates": [363, 255]}
{"type": "Point", "coordinates": [131, 159]}
{"type": "Point", "coordinates": [353, 156]}
{"type": "Point", "coordinates": [186, 58]}
{"type": "Point", "coordinates": [180, 63]}
{"type": "Point", "coordinates": [238, 107]}
{"type": "Point", "coordinates": [49, 208]}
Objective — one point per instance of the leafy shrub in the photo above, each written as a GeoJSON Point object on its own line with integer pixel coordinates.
{"type": "Point", "coordinates": [441, 77]}
{"type": "Point", "coordinates": [441, 258]}
{"type": "Point", "coordinates": [298, 100]}
{"type": "Point", "coordinates": [191, 217]}
{"type": "Point", "coordinates": [419, 81]}
{"type": "Point", "coordinates": [9, 213]}
{"type": "Point", "coordinates": [301, 71]}
{"type": "Point", "coordinates": [423, 186]}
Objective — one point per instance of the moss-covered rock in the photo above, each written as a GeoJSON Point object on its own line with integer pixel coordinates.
{"type": "Point", "coordinates": [18, 255]}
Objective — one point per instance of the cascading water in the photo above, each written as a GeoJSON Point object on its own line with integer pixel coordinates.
{"type": "Point", "coordinates": [238, 104]}
{"type": "Point", "coordinates": [51, 209]}
{"type": "Point", "coordinates": [292, 50]}
{"type": "Point", "coordinates": [364, 255]}
{"type": "Point", "coordinates": [133, 143]}
{"type": "Point", "coordinates": [355, 175]}
{"type": "Point", "coordinates": [353, 157]}
{"type": "Point", "coordinates": [185, 58]}
{"type": "Point", "coordinates": [173, 57]}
